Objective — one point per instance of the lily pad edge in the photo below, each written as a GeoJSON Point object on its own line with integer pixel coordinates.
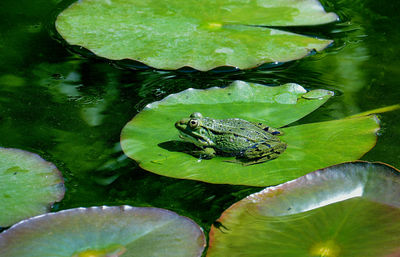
{"type": "Point", "coordinates": [253, 197]}
{"type": "Point", "coordinates": [134, 64]}
{"type": "Point", "coordinates": [56, 172]}
{"type": "Point", "coordinates": [123, 208]}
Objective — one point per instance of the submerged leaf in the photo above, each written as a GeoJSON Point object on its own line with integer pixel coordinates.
{"type": "Point", "coordinates": [28, 185]}
{"type": "Point", "coordinates": [104, 231]}
{"type": "Point", "coordinates": [347, 210]}
{"type": "Point", "coordinates": [171, 34]}
{"type": "Point", "coordinates": [151, 139]}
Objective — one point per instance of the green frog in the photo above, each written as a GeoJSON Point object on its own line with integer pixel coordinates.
{"type": "Point", "coordinates": [250, 141]}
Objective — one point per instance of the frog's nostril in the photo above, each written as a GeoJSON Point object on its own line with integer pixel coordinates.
{"type": "Point", "coordinates": [179, 123]}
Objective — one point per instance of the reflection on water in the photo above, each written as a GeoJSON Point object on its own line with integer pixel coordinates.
{"type": "Point", "coordinates": [71, 110]}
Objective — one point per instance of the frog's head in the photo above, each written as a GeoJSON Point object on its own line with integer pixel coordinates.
{"type": "Point", "coordinates": [192, 130]}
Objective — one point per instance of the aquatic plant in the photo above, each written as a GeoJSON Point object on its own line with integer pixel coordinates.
{"type": "Point", "coordinates": [172, 34]}
{"type": "Point", "coordinates": [104, 231]}
{"type": "Point", "coordinates": [347, 210]}
{"type": "Point", "coordinates": [29, 185]}
{"type": "Point", "coordinates": [151, 139]}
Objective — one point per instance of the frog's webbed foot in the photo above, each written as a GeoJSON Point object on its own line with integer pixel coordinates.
{"type": "Point", "coordinates": [268, 129]}
{"type": "Point", "coordinates": [206, 153]}
{"type": "Point", "coordinates": [248, 162]}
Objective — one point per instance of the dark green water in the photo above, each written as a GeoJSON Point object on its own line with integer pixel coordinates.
{"type": "Point", "coordinates": [71, 110]}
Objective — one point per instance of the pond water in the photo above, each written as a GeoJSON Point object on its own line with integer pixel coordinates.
{"type": "Point", "coordinates": [70, 109]}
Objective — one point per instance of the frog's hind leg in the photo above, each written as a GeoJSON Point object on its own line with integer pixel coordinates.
{"type": "Point", "coordinates": [268, 129]}
{"type": "Point", "coordinates": [262, 152]}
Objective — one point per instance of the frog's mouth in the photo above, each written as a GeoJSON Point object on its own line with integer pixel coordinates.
{"type": "Point", "coordinates": [191, 139]}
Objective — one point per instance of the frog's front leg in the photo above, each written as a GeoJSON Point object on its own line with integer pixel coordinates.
{"type": "Point", "coordinates": [263, 151]}
{"type": "Point", "coordinates": [204, 153]}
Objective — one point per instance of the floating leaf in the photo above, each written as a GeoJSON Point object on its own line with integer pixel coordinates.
{"type": "Point", "coordinates": [378, 110]}
{"type": "Point", "coordinates": [151, 139]}
{"type": "Point", "coordinates": [171, 34]}
{"type": "Point", "coordinates": [104, 231]}
{"type": "Point", "coordinates": [348, 210]}
{"type": "Point", "coordinates": [29, 185]}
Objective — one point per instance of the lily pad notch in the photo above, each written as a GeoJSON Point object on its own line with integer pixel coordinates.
{"type": "Point", "coordinates": [172, 34]}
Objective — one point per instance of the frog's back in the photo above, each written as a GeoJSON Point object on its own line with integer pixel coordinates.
{"type": "Point", "coordinates": [240, 128]}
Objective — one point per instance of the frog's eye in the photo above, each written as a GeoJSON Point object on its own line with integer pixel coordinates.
{"type": "Point", "coordinates": [193, 123]}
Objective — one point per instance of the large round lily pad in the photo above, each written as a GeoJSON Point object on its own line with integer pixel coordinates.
{"type": "Point", "coordinates": [151, 139]}
{"type": "Point", "coordinates": [29, 185]}
{"type": "Point", "coordinates": [104, 231]}
{"type": "Point", "coordinates": [171, 34]}
{"type": "Point", "coordinates": [348, 210]}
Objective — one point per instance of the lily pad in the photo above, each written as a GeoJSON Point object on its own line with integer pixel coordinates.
{"type": "Point", "coordinates": [348, 210]}
{"type": "Point", "coordinates": [29, 185]}
{"type": "Point", "coordinates": [171, 34]}
{"type": "Point", "coordinates": [151, 139]}
{"type": "Point", "coordinates": [104, 231]}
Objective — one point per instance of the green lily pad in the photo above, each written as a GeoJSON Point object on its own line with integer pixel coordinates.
{"type": "Point", "coordinates": [171, 34]}
{"type": "Point", "coordinates": [104, 231]}
{"type": "Point", "coordinates": [348, 210]}
{"type": "Point", "coordinates": [29, 185]}
{"type": "Point", "coordinates": [151, 139]}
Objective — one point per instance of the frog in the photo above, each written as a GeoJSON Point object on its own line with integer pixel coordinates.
{"type": "Point", "coordinates": [250, 142]}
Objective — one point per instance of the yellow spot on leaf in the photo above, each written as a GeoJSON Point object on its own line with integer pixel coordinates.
{"type": "Point", "coordinates": [214, 25]}
{"type": "Point", "coordinates": [112, 251]}
{"type": "Point", "coordinates": [325, 249]}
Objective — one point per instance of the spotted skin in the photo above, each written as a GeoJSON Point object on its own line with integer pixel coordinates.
{"type": "Point", "coordinates": [250, 142]}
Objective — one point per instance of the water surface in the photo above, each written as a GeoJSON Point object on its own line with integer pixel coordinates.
{"type": "Point", "coordinates": [71, 109]}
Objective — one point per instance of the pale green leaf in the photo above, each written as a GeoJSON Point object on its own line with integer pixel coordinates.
{"type": "Point", "coordinates": [347, 210]}
{"type": "Point", "coordinates": [102, 231]}
{"type": "Point", "coordinates": [171, 34]}
{"type": "Point", "coordinates": [29, 185]}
